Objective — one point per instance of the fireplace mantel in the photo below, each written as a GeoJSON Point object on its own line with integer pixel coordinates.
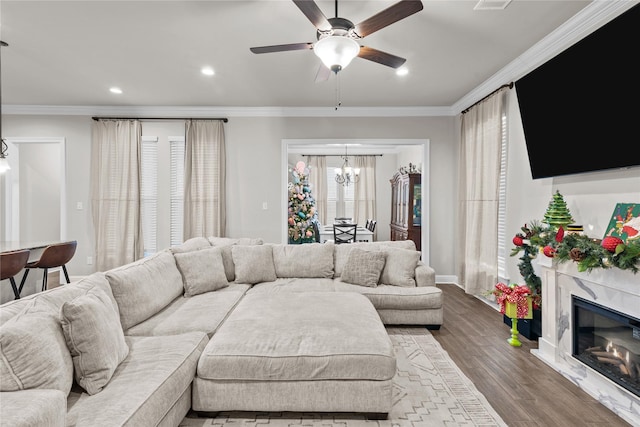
{"type": "Point", "coordinates": [613, 288]}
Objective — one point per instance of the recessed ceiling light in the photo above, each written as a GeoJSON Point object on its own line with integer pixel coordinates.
{"type": "Point", "coordinates": [207, 71]}
{"type": "Point", "coordinates": [115, 90]}
{"type": "Point", "coordinates": [402, 71]}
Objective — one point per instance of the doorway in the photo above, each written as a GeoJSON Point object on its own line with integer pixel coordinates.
{"type": "Point", "coordinates": [364, 146]}
{"type": "Point", "coordinates": [34, 195]}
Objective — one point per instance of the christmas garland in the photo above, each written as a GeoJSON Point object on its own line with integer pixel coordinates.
{"type": "Point", "coordinates": [588, 253]}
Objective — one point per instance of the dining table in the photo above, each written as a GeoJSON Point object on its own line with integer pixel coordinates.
{"type": "Point", "coordinates": [362, 234]}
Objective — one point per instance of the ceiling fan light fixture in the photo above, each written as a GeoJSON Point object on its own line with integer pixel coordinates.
{"type": "Point", "coordinates": [336, 52]}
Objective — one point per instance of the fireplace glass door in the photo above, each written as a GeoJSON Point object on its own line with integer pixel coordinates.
{"type": "Point", "coordinates": [607, 341]}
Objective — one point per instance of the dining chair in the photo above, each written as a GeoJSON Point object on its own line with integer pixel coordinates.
{"type": "Point", "coordinates": [11, 263]}
{"type": "Point", "coordinates": [316, 231]}
{"type": "Point", "coordinates": [53, 256]}
{"type": "Point", "coordinates": [343, 220]}
{"type": "Point", "coordinates": [344, 233]}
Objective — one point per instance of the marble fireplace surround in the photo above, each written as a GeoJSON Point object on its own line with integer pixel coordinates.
{"type": "Point", "coordinates": [612, 288]}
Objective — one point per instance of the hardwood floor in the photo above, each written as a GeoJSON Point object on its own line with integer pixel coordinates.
{"type": "Point", "coordinates": [521, 388]}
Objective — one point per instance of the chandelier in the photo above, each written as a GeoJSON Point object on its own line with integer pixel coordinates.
{"type": "Point", "coordinates": [346, 174]}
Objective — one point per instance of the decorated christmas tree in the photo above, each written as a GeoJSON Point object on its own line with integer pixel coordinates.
{"type": "Point", "coordinates": [557, 213]}
{"type": "Point", "coordinates": [302, 206]}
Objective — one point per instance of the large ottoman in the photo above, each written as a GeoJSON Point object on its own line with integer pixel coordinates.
{"type": "Point", "coordinates": [298, 352]}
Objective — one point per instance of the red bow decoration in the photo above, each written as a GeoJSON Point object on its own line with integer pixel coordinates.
{"type": "Point", "coordinates": [515, 294]}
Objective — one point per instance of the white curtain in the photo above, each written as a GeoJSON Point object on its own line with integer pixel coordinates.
{"type": "Point", "coordinates": [115, 192]}
{"type": "Point", "coordinates": [204, 179]}
{"type": "Point", "coordinates": [365, 189]}
{"type": "Point", "coordinates": [318, 180]}
{"type": "Point", "coordinates": [479, 181]}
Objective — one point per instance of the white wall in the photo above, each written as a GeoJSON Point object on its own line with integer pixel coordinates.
{"type": "Point", "coordinates": [254, 176]}
{"type": "Point", "coordinates": [591, 197]}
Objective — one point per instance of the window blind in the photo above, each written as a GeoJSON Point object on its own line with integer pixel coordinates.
{"type": "Point", "coordinates": [149, 194]}
{"type": "Point", "coordinates": [177, 146]}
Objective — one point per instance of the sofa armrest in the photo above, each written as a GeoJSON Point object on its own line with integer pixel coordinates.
{"type": "Point", "coordinates": [33, 407]}
{"type": "Point", "coordinates": [425, 275]}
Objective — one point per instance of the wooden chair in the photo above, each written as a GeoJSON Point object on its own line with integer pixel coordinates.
{"type": "Point", "coordinates": [344, 233]}
{"type": "Point", "coordinates": [11, 263]}
{"type": "Point", "coordinates": [316, 231]}
{"type": "Point", "coordinates": [56, 255]}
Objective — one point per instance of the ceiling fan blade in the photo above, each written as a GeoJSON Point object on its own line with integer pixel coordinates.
{"type": "Point", "coordinates": [322, 74]}
{"type": "Point", "coordinates": [313, 14]}
{"type": "Point", "coordinates": [281, 47]}
{"type": "Point", "coordinates": [388, 16]}
{"type": "Point", "coordinates": [380, 57]}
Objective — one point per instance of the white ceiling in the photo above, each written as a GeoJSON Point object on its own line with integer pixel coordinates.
{"type": "Point", "coordinates": [68, 54]}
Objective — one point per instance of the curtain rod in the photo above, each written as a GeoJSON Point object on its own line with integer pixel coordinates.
{"type": "Point", "coordinates": [224, 119]}
{"type": "Point", "coordinates": [340, 155]}
{"type": "Point", "coordinates": [509, 85]}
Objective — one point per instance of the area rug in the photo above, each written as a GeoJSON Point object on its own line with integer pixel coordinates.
{"type": "Point", "coordinates": [429, 390]}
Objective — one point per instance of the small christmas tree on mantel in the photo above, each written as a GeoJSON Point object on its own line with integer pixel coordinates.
{"type": "Point", "coordinates": [557, 214]}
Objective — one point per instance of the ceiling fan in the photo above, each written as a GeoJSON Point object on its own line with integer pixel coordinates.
{"type": "Point", "coordinates": [337, 37]}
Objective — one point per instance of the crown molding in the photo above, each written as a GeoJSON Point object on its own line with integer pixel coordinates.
{"type": "Point", "coordinates": [589, 19]}
{"type": "Point", "coordinates": [167, 111]}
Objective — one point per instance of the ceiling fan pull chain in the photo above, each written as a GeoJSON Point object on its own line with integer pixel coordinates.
{"type": "Point", "coordinates": [338, 103]}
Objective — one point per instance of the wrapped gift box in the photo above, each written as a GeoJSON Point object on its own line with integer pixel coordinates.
{"type": "Point", "coordinates": [511, 309]}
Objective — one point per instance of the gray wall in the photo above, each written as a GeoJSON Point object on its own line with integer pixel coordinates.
{"type": "Point", "coordinates": [254, 176]}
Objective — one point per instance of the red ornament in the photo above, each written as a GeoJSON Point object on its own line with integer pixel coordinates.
{"type": "Point", "coordinates": [518, 241]}
{"type": "Point", "coordinates": [560, 234]}
{"type": "Point", "coordinates": [549, 251]}
{"type": "Point", "coordinates": [610, 243]}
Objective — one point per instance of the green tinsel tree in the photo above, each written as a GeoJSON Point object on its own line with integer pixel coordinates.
{"type": "Point", "coordinates": [557, 213]}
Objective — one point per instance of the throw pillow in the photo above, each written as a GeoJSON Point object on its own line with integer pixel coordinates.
{"type": "Point", "coordinates": [33, 353]}
{"type": "Point", "coordinates": [193, 244]}
{"type": "Point", "coordinates": [363, 267]}
{"type": "Point", "coordinates": [307, 260]}
{"type": "Point", "coordinates": [95, 339]}
{"type": "Point", "coordinates": [254, 264]}
{"type": "Point", "coordinates": [400, 268]}
{"type": "Point", "coordinates": [202, 271]}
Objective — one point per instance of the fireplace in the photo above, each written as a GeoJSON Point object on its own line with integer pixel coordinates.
{"type": "Point", "coordinates": [580, 313]}
{"type": "Point", "coordinates": [607, 341]}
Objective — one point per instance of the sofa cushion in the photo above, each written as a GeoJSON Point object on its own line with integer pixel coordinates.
{"type": "Point", "coordinates": [341, 252]}
{"type": "Point", "coordinates": [36, 407]}
{"type": "Point", "coordinates": [300, 336]}
{"type": "Point", "coordinates": [397, 297]}
{"type": "Point", "coordinates": [54, 298]}
{"type": "Point", "coordinates": [157, 372]}
{"type": "Point", "coordinates": [202, 270]}
{"type": "Point", "coordinates": [144, 287]}
{"type": "Point", "coordinates": [225, 243]}
{"type": "Point", "coordinates": [400, 268]}
{"type": "Point", "coordinates": [363, 267]}
{"type": "Point", "coordinates": [33, 351]}
{"type": "Point", "coordinates": [95, 339]}
{"type": "Point", "coordinates": [307, 260]}
{"type": "Point", "coordinates": [192, 244]}
{"type": "Point", "coordinates": [253, 264]}
{"type": "Point", "coordinates": [204, 313]}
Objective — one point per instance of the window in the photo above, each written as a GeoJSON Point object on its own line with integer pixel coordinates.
{"type": "Point", "coordinates": [149, 194]}
{"type": "Point", "coordinates": [340, 199]}
{"type": "Point", "coordinates": [502, 205]}
{"type": "Point", "coordinates": [162, 167]}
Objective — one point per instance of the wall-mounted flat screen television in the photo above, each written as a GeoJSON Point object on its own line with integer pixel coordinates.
{"type": "Point", "coordinates": [581, 109]}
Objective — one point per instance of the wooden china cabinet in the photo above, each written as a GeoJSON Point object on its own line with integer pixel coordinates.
{"type": "Point", "coordinates": [406, 207]}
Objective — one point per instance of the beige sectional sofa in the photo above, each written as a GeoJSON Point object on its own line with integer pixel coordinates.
{"type": "Point", "coordinates": [123, 347]}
